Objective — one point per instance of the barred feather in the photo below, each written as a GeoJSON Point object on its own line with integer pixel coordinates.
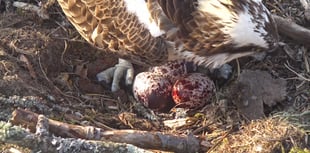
{"type": "Point", "coordinates": [151, 32]}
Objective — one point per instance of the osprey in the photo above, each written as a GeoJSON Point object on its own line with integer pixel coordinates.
{"type": "Point", "coordinates": [152, 32]}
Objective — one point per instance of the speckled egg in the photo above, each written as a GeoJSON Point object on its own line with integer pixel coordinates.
{"type": "Point", "coordinates": [174, 69]}
{"type": "Point", "coordinates": [154, 91]}
{"type": "Point", "coordinates": [193, 90]}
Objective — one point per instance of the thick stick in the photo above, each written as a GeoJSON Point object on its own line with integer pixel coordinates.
{"type": "Point", "coordinates": [41, 141]}
{"type": "Point", "coordinates": [293, 30]}
{"type": "Point", "coordinates": [143, 139]}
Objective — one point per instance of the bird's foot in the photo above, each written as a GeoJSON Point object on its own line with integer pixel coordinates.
{"type": "Point", "coordinates": [223, 72]}
{"type": "Point", "coordinates": [114, 74]}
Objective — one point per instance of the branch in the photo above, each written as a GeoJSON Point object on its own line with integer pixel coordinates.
{"type": "Point", "coordinates": [29, 119]}
{"type": "Point", "coordinates": [306, 6]}
{"type": "Point", "coordinates": [42, 142]}
{"type": "Point", "coordinates": [293, 30]}
{"type": "Point", "coordinates": [143, 139]}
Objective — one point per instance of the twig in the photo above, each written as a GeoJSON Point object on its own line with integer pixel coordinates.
{"type": "Point", "coordinates": [306, 59]}
{"type": "Point", "coordinates": [203, 128]}
{"type": "Point", "coordinates": [55, 87]}
{"type": "Point", "coordinates": [238, 68]}
{"type": "Point", "coordinates": [29, 66]}
{"type": "Point", "coordinates": [19, 50]}
{"type": "Point", "coordinates": [299, 75]}
{"type": "Point", "coordinates": [220, 141]}
{"type": "Point", "coordinates": [7, 70]}
{"type": "Point", "coordinates": [275, 5]}
{"type": "Point", "coordinates": [64, 52]}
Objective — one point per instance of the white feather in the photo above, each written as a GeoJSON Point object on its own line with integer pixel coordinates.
{"type": "Point", "coordinates": [240, 27]}
{"type": "Point", "coordinates": [215, 8]}
{"type": "Point", "coordinates": [243, 32]}
{"type": "Point", "coordinates": [213, 61]}
{"type": "Point", "coordinates": [139, 8]}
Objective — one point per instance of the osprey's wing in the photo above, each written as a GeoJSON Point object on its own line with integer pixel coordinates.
{"type": "Point", "coordinates": [197, 30]}
{"type": "Point", "coordinates": [121, 26]}
{"type": "Point", "coordinates": [213, 32]}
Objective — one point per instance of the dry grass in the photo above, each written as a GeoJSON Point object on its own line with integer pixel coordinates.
{"type": "Point", "coordinates": [267, 135]}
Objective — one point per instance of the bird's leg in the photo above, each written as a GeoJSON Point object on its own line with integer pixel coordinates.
{"type": "Point", "coordinates": [116, 73]}
{"type": "Point", "coordinates": [223, 72]}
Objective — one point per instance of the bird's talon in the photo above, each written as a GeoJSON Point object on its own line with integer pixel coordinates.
{"type": "Point", "coordinates": [106, 75]}
{"type": "Point", "coordinates": [115, 74]}
{"type": "Point", "coordinates": [129, 76]}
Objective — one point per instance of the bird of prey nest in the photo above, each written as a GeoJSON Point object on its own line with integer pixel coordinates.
{"type": "Point", "coordinates": [152, 32]}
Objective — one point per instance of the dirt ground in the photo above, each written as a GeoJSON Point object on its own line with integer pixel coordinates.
{"type": "Point", "coordinates": [46, 67]}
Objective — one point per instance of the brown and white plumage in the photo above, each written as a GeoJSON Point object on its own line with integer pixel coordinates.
{"type": "Point", "coordinates": [213, 32]}
{"type": "Point", "coordinates": [151, 32]}
{"type": "Point", "coordinates": [108, 24]}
